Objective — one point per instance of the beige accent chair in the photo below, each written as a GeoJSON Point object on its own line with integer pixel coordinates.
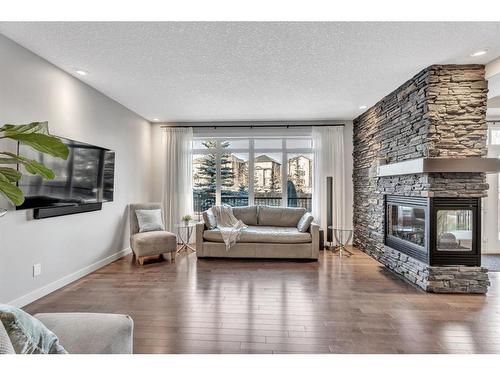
{"type": "Point", "coordinates": [272, 233]}
{"type": "Point", "coordinates": [154, 244]}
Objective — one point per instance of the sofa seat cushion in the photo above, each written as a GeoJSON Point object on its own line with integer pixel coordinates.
{"type": "Point", "coordinates": [153, 243]}
{"type": "Point", "coordinates": [263, 234]}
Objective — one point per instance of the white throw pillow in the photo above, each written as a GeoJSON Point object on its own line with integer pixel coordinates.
{"type": "Point", "coordinates": [149, 220]}
{"type": "Point", "coordinates": [305, 222]}
{"type": "Point", "coordinates": [209, 219]}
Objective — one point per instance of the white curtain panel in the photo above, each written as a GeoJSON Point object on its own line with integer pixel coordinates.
{"type": "Point", "coordinates": [177, 188]}
{"type": "Point", "coordinates": [328, 146]}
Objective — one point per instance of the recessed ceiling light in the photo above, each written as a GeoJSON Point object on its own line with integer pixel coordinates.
{"type": "Point", "coordinates": [156, 119]}
{"type": "Point", "coordinates": [363, 106]}
{"type": "Point", "coordinates": [479, 53]}
{"type": "Point", "coordinates": [81, 72]}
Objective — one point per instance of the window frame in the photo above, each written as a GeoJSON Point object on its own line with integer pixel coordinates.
{"type": "Point", "coordinates": [283, 150]}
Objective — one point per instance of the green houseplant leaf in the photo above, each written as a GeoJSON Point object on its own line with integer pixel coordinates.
{"type": "Point", "coordinates": [11, 191]}
{"type": "Point", "coordinates": [31, 166]}
{"type": "Point", "coordinates": [43, 143]}
{"type": "Point", "coordinates": [10, 174]}
{"type": "Point", "coordinates": [34, 127]}
{"type": "Point", "coordinates": [37, 136]}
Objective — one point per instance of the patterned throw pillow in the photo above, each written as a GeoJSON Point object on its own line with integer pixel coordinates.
{"type": "Point", "coordinates": [5, 344]}
{"type": "Point", "coordinates": [27, 334]}
{"type": "Point", "coordinates": [149, 220]}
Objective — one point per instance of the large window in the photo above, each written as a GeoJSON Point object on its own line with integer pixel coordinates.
{"type": "Point", "coordinates": [241, 172]}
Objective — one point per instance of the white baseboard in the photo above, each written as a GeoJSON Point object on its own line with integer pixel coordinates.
{"type": "Point", "coordinates": [53, 286]}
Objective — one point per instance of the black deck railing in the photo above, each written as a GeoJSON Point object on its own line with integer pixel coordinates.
{"type": "Point", "coordinates": [202, 202]}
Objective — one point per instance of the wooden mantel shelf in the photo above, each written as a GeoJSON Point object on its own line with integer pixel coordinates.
{"type": "Point", "coordinates": [429, 165]}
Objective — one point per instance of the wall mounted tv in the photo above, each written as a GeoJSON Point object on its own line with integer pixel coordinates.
{"type": "Point", "coordinates": [82, 182]}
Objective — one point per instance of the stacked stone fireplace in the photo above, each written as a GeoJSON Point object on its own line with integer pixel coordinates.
{"type": "Point", "coordinates": [439, 113]}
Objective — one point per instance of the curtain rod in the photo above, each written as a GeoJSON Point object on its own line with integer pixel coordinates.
{"type": "Point", "coordinates": [250, 125]}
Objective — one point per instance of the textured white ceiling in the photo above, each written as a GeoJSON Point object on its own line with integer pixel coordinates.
{"type": "Point", "coordinates": [252, 71]}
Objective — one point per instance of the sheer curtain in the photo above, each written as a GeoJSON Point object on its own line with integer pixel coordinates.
{"type": "Point", "coordinates": [328, 146]}
{"type": "Point", "coordinates": [177, 187]}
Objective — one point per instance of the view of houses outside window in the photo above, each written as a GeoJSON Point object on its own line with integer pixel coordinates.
{"type": "Point", "coordinates": [221, 171]}
{"type": "Point", "coordinates": [267, 179]}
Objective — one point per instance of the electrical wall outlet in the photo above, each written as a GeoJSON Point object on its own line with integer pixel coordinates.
{"type": "Point", "coordinates": [37, 270]}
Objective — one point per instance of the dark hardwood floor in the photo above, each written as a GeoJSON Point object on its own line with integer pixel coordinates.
{"type": "Point", "coordinates": [350, 305]}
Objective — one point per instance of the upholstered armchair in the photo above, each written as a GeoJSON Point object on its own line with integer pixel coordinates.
{"type": "Point", "coordinates": [150, 244]}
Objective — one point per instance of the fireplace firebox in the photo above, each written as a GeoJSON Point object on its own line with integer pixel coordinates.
{"type": "Point", "coordinates": [437, 231]}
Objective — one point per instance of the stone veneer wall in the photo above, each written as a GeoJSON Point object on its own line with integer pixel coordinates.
{"type": "Point", "coordinates": [440, 112]}
{"type": "Point", "coordinates": [436, 279]}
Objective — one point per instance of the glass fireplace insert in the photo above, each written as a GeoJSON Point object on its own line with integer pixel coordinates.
{"type": "Point", "coordinates": [435, 230]}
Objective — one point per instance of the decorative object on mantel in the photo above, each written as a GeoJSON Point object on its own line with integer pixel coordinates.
{"type": "Point", "coordinates": [35, 135]}
{"type": "Point", "coordinates": [186, 219]}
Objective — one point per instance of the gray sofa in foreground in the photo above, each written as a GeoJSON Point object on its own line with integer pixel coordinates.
{"type": "Point", "coordinates": [90, 333]}
{"type": "Point", "coordinates": [272, 233]}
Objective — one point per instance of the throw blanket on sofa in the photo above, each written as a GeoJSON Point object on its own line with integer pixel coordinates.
{"type": "Point", "coordinates": [230, 227]}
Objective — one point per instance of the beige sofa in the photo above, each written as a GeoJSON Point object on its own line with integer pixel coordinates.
{"type": "Point", "coordinates": [272, 233]}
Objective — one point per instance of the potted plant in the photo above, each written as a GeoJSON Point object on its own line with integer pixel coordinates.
{"type": "Point", "coordinates": [36, 135]}
{"type": "Point", "coordinates": [186, 219]}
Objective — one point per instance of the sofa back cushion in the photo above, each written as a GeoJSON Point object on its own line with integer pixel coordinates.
{"type": "Point", "coordinates": [280, 216]}
{"type": "Point", "coordinates": [247, 214]}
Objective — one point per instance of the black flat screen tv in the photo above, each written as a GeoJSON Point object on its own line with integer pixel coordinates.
{"type": "Point", "coordinates": [87, 176]}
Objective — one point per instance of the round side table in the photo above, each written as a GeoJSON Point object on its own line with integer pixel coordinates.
{"type": "Point", "coordinates": [342, 237]}
{"type": "Point", "coordinates": [188, 230]}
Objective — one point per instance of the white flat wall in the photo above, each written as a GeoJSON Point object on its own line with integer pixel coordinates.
{"type": "Point", "coordinates": [31, 89]}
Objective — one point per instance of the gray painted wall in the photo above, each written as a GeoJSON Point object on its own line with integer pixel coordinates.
{"type": "Point", "coordinates": [31, 89]}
